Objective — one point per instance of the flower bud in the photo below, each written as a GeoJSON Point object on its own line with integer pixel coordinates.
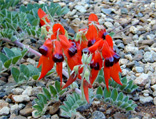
{"type": "Point", "coordinates": [76, 69]}
{"type": "Point", "coordinates": [74, 85]}
{"type": "Point", "coordinates": [86, 74]}
{"type": "Point", "coordinates": [89, 59]}
{"type": "Point", "coordinates": [43, 30]}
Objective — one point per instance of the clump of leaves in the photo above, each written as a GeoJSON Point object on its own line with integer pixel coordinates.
{"type": "Point", "coordinates": [8, 4]}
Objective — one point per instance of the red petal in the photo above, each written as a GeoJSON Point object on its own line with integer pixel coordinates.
{"type": "Point", "coordinates": [58, 47]}
{"type": "Point", "coordinates": [115, 73]}
{"type": "Point", "coordinates": [71, 79]}
{"type": "Point", "coordinates": [106, 50]}
{"type": "Point", "coordinates": [94, 47]}
{"type": "Point", "coordinates": [109, 40]}
{"type": "Point", "coordinates": [91, 33]}
{"type": "Point", "coordinates": [93, 18]}
{"type": "Point", "coordinates": [85, 89]}
{"type": "Point", "coordinates": [59, 27]}
{"type": "Point", "coordinates": [107, 76]}
{"type": "Point", "coordinates": [59, 71]}
{"type": "Point", "coordinates": [93, 76]}
{"type": "Point", "coordinates": [42, 14]}
{"type": "Point", "coordinates": [47, 64]}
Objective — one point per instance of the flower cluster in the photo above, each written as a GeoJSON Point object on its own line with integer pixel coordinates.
{"type": "Point", "coordinates": [91, 51]}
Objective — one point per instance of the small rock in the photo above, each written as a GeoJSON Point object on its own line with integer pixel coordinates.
{"type": "Point", "coordinates": [119, 115]}
{"type": "Point", "coordinates": [3, 104]}
{"type": "Point", "coordinates": [130, 48]}
{"type": "Point", "coordinates": [108, 24]}
{"type": "Point", "coordinates": [2, 94]}
{"type": "Point", "coordinates": [27, 91]}
{"type": "Point", "coordinates": [17, 91]}
{"type": "Point", "coordinates": [27, 110]}
{"type": "Point", "coordinates": [142, 79]}
{"type": "Point", "coordinates": [80, 8]}
{"type": "Point", "coordinates": [106, 11]}
{"type": "Point", "coordinates": [18, 117]}
{"type": "Point", "coordinates": [124, 11]}
{"type": "Point", "coordinates": [144, 100]}
{"type": "Point", "coordinates": [98, 115]}
{"type": "Point", "coordinates": [21, 98]}
{"type": "Point", "coordinates": [154, 100]}
{"type": "Point", "coordinates": [148, 57]}
{"type": "Point", "coordinates": [153, 87]}
{"type": "Point", "coordinates": [133, 29]}
{"type": "Point", "coordinates": [4, 111]}
{"type": "Point", "coordinates": [127, 40]}
{"type": "Point", "coordinates": [109, 111]}
{"type": "Point", "coordinates": [55, 116]}
{"type": "Point", "coordinates": [138, 69]}
{"type": "Point", "coordinates": [123, 61]}
{"type": "Point", "coordinates": [54, 108]}
{"type": "Point", "coordinates": [129, 57]}
{"type": "Point", "coordinates": [147, 42]}
{"type": "Point", "coordinates": [14, 107]}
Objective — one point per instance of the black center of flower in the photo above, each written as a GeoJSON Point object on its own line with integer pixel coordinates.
{"type": "Point", "coordinates": [91, 42]}
{"type": "Point", "coordinates": [95, 65]}
{"type": "Point", "coordinates": [58, 58]}
{"type": "Point", "coordinates": [104, 35]}
{"type": "Point", "coordinates": [73, 43]}
{"type": "Point", "coordinates": [116, 58]}
{"type": "Point", "coordinates": [72, 51]}
{"type": "Point", "coordinates": [85, 51]}
{"type": "Point", "coordinates": [109, 62]}
{"type": "Point", "coordinates": [43, 50]}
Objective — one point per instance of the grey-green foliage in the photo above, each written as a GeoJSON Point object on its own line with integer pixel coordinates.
{"type": "Point", "coordinates": [6, 4]}
{"type": "Point", "coordinates": [11, 56]}
{"type": "Point", "coordinates": [71, 104]}
{"type": "Point", "coordinates": [21, 24]}
{"type": "Point", "coordinates": [114, 98]}
{"type": "Point", "coordinates": [15, 25]}
{"type": "Point", "coordinates": [128, 86]}
{"type": "Point", "coordinates": [51, 93]}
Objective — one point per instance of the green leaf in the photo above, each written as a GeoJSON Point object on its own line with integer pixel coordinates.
{"type": "Point", "coordinates": [15, 73]}
{"type": "Point", "coordinates": [1, 65]}
{"type": "Point", "coordinates": [39, 102]}
{"type": "Point", "coordinates": [52, 90]}
{"type": "Point", "coordinates": [15, 59]}
{"type": "Point", "coordinates": [24, 69]}
{"type": "Point", "coordinates": [100, 79]}
{"type": "Point", "coordinates": [99, 90]}
{"type": "Point", "coordinates": [47, 93]}
{"type": "Point", "coordinates": [7, 63]}
{"type": "Point", "coordinates": [37, 107]}
{"type": "Point", "coordinates": [63, 107]}
{"type": "Point", "coordinates": [126, 99]}
{"type": "Point", "coordinates": [124, 105]}
{"type": "Point", "coordinates": [33, 70]}
{"type": "Point", "coordinates": [3, 58]}
{"type": "Point", "coordinates": [24, 52]}
{"type": "Point", "coordinates": [107, 93]}
{"type": "Point", "coordinates": [57, 86]}
{"type": "Point", "coordinates": [111, 34]}
{"type": "Point", "coordinates": [22, 78]}
{"type": "Point", "coordinates": [68, 104]}
{"type": "Point", "coordinates": [9, 52]}
{"type": "Point", "coordinates": [42, 98]}
{"type": "Point", "coordinates": [120, 96]}
{"type": "Point", "coordinates": [114, 94]}
{"type": "Point", "coordinates": [35, 77]}
{"type": "Point", "coordinates": [35, 22]}
{"type": "Point", "coordinates": [129, 108]}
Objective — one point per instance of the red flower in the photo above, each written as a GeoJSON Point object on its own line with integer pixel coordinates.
{"type": "Point", "coordinates": [46, 58]}
{"type": "Point", "coordinates": [93, 18]}
{"type": "Point", "coordinates": [57, 30]}
{"type": "Point", "coordinates": [42, 15]}
{"type": "Point", "coordinates": [95, 65]}
{"type": "Point", "coordinates": [58, 59]}
{"type": "Point", "coordinates": [73, 58]}
{"type": "Point", "coordinates": [91, 35]}
{"type": "Point", "coordinates": [86, 85]}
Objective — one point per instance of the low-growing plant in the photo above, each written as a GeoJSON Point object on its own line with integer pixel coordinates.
{"type": "Point", "coordinates": [88, 57]}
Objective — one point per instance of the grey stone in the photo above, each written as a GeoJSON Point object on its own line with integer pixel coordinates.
{"type": "Point", "coordinates": [144, 100]}
{"type": "Point", "coordinates": [4, 111]}
{"type": "Point", "coordinates": [21, 98]}
{"type": "Point", "coordinates": [138, 69]}
{"type": "Point", "coordinates": [55, 116]}
{"type": "Point", "coordinates": [148, 57]}
{"type": "Point", "coordinates": [106, 11]}
{"type": "Point", "coordinates": [80, 8]}
{"type": "Point", "coordinates": [27, 91]}
{"type": "Point", "coordinates": [124, 11]}
{"type": "Point", "coordinates": [130, 48]}
{"type": "Point", "coordinates": [142, 79]}
{"type": "Point", "coordinates": [98, 115]}
{"type": "Point", "coordinates": [153, 87]}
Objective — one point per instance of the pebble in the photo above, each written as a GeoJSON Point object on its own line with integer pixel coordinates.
{"type": "Point", "coordinates": [130, 48]}
{"type": "Point", "coordinates": [108, 24]}
{"type": "Point", "coordinates": [17, 91]}
{"type": "Point", "coordinates": [54, 108]}
{"type": "Point", "coordinates": [106, 11]}
{"type": "Point", "coordinates": [27, 111]}
{"type": "Point", "coordinates": [98, 115]}
{"type": "Point", "coordinates": [148, 57]}
{"type": "Point", "coordinates": [54, 116]}
{"type": "Point", "coordinates": [80, 8]}
{"type": "Point", "coordinates": [133, 29]}
{"type": "Point", "coordinates": [27, 91]}
{"type": "Point", "coordinates": [4, 111]}
{"type": "Point", "coordinates": [153, 87]}
{"type": "Point", "coordinates": [123, 61]}
{"type": "Point", "coordinates": [14, 107]}
{"type": "Point", "coordinates": [3, 104]}
{"type": "Point", "coordinates": [154, 100]}
{"type": "Point", "coordinates": [144, 100]}
{"type": "Point", "coordinates": [138, 69]}
{"type": "Point", "coordinates": [142, 79]}
{"type": "Point", "coordinates": [20, 98]}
